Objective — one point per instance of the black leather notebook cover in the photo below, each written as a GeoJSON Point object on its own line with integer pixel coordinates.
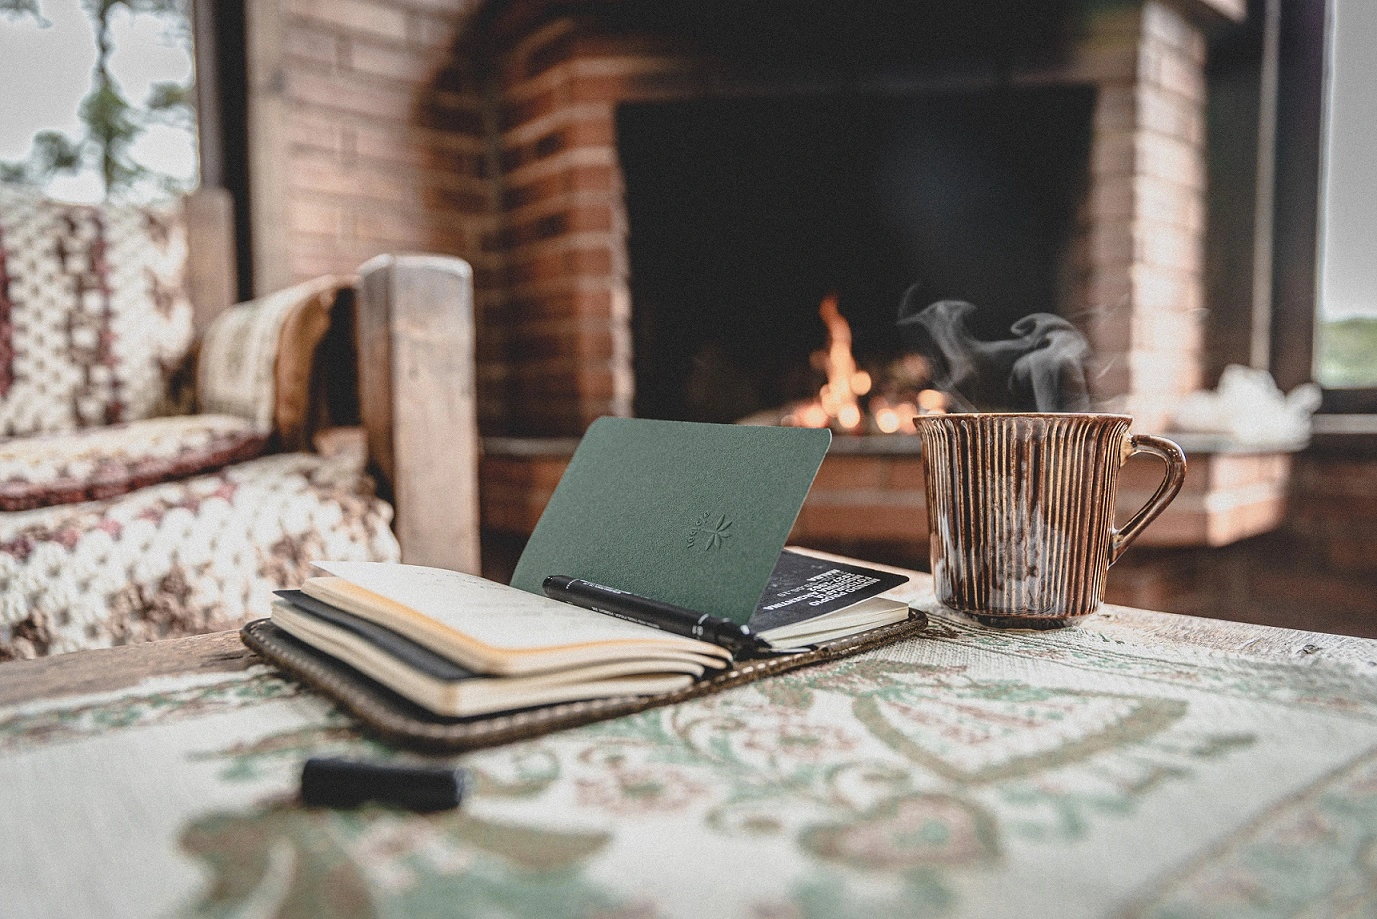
{"type": "Point", "coordinates": [399, 646]}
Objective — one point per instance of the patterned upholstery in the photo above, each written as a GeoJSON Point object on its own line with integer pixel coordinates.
{"type": "Point", "coordinates": [95, 328]}
{"type": "Point", "coordinates": [181, 558]}
{"type": "Point", "coordinates": [94, 463]}
{"type": "Point", "coordinates": [94, 317]}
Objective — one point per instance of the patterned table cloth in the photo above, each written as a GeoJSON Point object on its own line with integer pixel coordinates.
{"type": "Point", "coordinates": [1100, 771]}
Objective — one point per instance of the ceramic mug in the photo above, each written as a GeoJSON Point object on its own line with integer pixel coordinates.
{"type": "Point", "coordinates": [1021, 511]}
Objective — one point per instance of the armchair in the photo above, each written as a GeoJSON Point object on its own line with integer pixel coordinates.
{"type": "Point", "coordinates": [167, 460]}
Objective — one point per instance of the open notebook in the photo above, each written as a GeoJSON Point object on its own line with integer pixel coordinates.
{"type": "Point", "coordinates": [460, 645]}
{"type": "Point", "coordinates": [693, 515]}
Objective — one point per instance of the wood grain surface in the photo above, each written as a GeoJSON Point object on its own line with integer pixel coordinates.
{"type": "Point", "coordinates": [109, 669]}
{"type": "Point", "coordinates": [416, 380]}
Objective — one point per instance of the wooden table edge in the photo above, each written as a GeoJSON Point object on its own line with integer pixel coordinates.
{"type": "Point", "coordinates": [109, 669]}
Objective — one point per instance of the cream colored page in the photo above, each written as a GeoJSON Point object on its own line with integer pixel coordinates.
{"type": "Point", "coordinates": [492, 613]}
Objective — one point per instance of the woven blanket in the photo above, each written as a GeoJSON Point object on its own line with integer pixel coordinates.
{"type": "Point", "coordinates": [183, 557]}
{"type": "Point", "coordinates": [967, 773]}
{"type": "Point", "coordinates": [94, 315]}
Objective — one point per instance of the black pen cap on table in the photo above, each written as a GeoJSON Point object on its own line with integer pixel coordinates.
{"type": "Point", "coordinates": [328, 782]}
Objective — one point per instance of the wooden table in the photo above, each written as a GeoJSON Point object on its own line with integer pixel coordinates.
{"type": "Point", "coordinates": [1143, 764]}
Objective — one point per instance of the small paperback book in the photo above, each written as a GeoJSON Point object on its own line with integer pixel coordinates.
{"type": "Point", "coordinates": [459, 645]}
{"type": "Point", "coordinates": [809, 601]}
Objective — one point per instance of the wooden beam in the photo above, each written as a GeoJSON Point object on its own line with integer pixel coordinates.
{"type": "Point", "coordinates": [416, 387]}
{"type": "Point", "coordinates": [265, 29]}
{"type": "Point", "coordinates": [210, 138]}
{"type": "Point", "coordinates": [1299, 129]}
{"type": "Point", "coordinates": [1264, 236]}
{"type": "Point", "coordinates": [222, 118]}
{"type": "Point", "coordinates": [210, 280]}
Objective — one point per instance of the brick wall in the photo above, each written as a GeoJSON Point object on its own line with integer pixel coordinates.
{"type": "Point", "coordinates": [568, 303]}
{"type": "Point", "coordinates": [1317, 571]}
{"type": "Point", "coordinates": [383, 128]}
{"type": "Point", "coordinates": [1137, 283]}
{"type": "Point", "coordinates": [370, 134]}
{"type": "Point", "coordinates": [1147, 212]}
{"type": "Point", "coordinates": [384, 125]}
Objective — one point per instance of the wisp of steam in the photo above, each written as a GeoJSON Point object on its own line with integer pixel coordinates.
{"type": "Point", "coordinates": [1043, 367]}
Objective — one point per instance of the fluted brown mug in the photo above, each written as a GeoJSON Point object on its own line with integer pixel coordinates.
{"type": "Point", "coordinates": [1021, 511]}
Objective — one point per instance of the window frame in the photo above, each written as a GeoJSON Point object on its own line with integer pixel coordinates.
{"type": "Point", "coordinates": [219, 42]}
{"type": "Point", "coordinates": [1298, 208]}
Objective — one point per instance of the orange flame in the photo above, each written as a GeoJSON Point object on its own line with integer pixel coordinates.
{"type": "Point", "coordinates": [844, 381]}
{"type": "Point", "coordinates": [838, 401]}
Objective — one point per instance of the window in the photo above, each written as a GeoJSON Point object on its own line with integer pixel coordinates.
{"type": "Point", "coordinates": [1346, 307]}
{"type": "Point", "coordinates": [98, 98]}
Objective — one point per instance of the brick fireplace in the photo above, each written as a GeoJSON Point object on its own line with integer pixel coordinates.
{"type": "Point", "coordinates": [560, 306]}
{"type": "Point", "coordinates": [589, 105]}
{"type": "Point", "coordinates": [489, 129]}
{"type": "Point", "coordinates": [495, 130]}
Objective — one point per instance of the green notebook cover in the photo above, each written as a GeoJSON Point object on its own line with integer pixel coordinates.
{"type": "Point", "coordinates": [687, 513]}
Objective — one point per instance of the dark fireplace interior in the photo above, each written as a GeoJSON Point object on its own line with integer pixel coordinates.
{"type": "Point", "coordinates": [744, 213]}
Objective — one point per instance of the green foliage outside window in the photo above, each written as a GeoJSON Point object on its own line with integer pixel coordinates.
{"type": "Point", "coordinates": [111, 123]}
{"type": "Point", "coordinates": [1347, 352]}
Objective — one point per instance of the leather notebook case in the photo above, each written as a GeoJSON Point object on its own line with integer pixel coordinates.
{"type": "Point", "coordinates": [394, 719]}
{"type": "Point", "coordinates": [691, 514]}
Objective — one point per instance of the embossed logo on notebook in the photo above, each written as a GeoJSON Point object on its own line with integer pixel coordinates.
{"type": "Point", "coordinates": [709, 532]}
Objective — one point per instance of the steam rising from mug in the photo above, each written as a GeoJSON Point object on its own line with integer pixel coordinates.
{"type": "Point", "coordinates": [1043, 367]}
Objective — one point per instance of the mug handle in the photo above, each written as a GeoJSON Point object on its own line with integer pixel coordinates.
{"type": "Point", "coordinates": [1175, 460]}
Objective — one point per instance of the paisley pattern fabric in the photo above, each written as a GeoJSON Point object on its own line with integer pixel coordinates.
{"type": "Point", "coordinates": [968, 773]}
{"type": "Point", "coordinates": [181, 558]}
{"type": "Point", "coordinates": [92, 463]}
{"type": "Point", "coordinates": [94, 315]}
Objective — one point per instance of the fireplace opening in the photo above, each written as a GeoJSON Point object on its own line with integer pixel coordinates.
{"type": "Point", "coordinates": [745, 214]}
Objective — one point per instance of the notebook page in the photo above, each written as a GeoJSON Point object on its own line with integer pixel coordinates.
{"type": "Point", "coordinates": [495, 614]}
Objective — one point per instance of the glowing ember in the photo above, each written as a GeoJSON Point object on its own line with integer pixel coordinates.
{"type": "Point", "coordinates": [932, 402]}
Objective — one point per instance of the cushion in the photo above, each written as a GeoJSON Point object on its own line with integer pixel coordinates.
{"type": "Point", "coordinates": [94, 315]}
{"type": "Point", "coordinates": [182, 558]}
{"type": "Point", "coordinates": [45, 470]}
{"type": "Point", "coordinates": [256, 358]}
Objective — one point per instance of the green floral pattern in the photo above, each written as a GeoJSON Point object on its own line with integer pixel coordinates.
{"type": "Point", "coordinates": [966, 773]}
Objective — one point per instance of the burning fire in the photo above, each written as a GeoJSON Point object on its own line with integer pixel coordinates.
{"type": "Point", "coordinates": [839, 402]}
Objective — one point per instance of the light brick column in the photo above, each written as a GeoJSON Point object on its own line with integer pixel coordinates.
{"type": "Point", "coordinates": [1146, 284]}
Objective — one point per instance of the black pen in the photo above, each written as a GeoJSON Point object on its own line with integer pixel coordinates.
{"type": "Point", "coordinates": [736, 638]}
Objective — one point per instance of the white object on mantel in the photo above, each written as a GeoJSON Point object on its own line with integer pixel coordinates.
{"type": "Point", "coordinates": [1249, 409]}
